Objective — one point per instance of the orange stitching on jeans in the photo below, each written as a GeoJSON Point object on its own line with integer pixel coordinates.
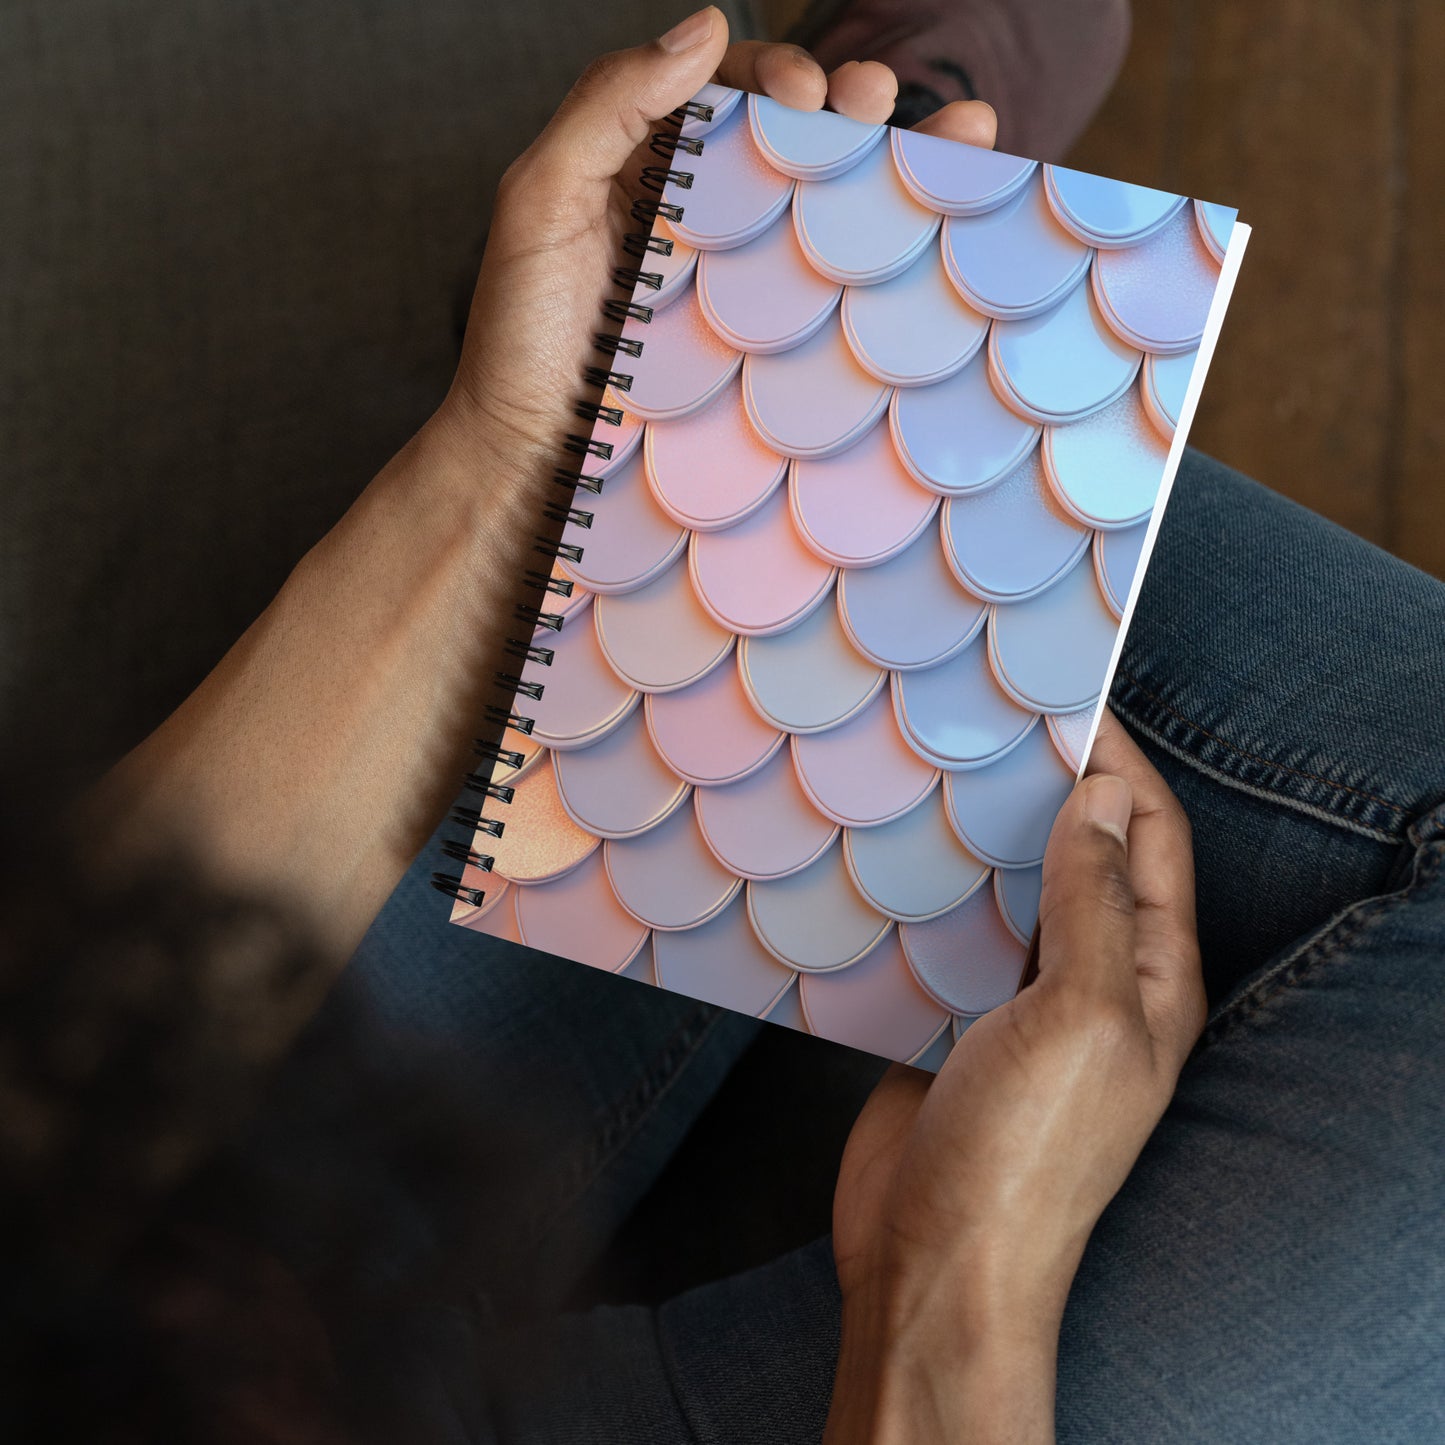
{"type": "Point", "coordinates": [1255, 757]}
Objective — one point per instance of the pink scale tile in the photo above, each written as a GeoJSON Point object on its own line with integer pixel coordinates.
{"type": "Point", "coordinates": [1070, 733]}
{"type": "Point", "coordinates": [911, 612]}
{"type": "Point", "coordinates": [1215, 224]}
{"type": "Point", "coordinates": [764, 296]}
{"type": "Point", "coordinates": [914, 867]}
{"type": "Point", "coordinates": [1105, 213]}
{"type": "Point", "coordinates": [933, 1058]}
{"type": "Point", "coordinates": [722, 962]}
{"type": "Point", "coordinates": [956, 435]}
{"type": "Point", "coordinates": [1016, 891]}
{"type": "Point", "coordinates": [1163, 385]}
{"type": "Point", "coordinates": [756, 577]}
{"type": "Point", "coordinates": [676, 271]}
{"type": "Point", "coordinates": [860, 507]}
{"type": "Point", "coordinates": [763, 826]}
{"type": "Point", "coordinates": [624, 438]}
{"type": "Point", "coordinates": [1106, 470]}
{"type": "Point", "coordinates": [659, 637]}
{"type": "Point", "coordinates": [809, 145]}
{"type": "Point", "coordinates": [710, 732]}
{"type": "Point", "coordinates": [813, 400]}
{"type": "Point", "coordinates": [827, 216]}
{"type": "Point", "coordinates": [808, 678]}
{"type": "Point", "coordinates": [734, 194]}
{"type": "Point", "coordinates": [968, 961]}
{"type": "Point", "coordinates": [683, 365]}
{"type": "Point", "coordinates": [1014, 539]}
{"type": "Point", "coordinates": [495, 889]}
{"type": "Point", "coordinates": [1052, 651]}
{"type": "Point", "coordinates": [1116, 559]}
{"type": "Point", "coordinates": [619, 787]}
{"type": "Point", "coordinates": [667, 877]}
{"type": "Point", "coordinates": [958, 180]}
{"type": "Point", "coordinates": [914, 329]}
{"type": "Point", "coordinates": [539, 841]}
{"type": "Point", "coordinates": [501, 922]}
{"type": "Point", "coordinates": [815, 920]}
{"type": "Point", "coordinates": [874, 1004]}
{"type": "Point", "coordinates": [1015, 260]}
{"type": "Point", "coordinates": [630, 539]}
{"type": "Point", "coordinates": [643, 968]}
{"type": "Point", "coordinates": [582, 699]}
{"type": "Point", "coordinates": [711, 469]}
{"type": "Point", "coordinates": [862, 772]}
{"type": "Point", "coordinates": [578, 917]}
{"type": "Point", "coordinates": [576, 601]}
{"type": "Point", "coordinates": [1157, 295]}
{"type": "Point", "coordinates": [1003, 812]}
{"type": "Point", "coordinates": [1062, 364]}
{"type": "Point", "coordinates": [956, 715]}
{"type": "Point", "coordinates": [788, 1009]}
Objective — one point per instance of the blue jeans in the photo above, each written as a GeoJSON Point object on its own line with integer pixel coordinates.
{"type": "Point", "coordinates": [1274, 1267]}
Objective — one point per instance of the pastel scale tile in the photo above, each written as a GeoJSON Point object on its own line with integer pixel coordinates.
{"type": "Point", "coordinates": [1052, 651]}
{"type": "Point", "coordinates": [814, 400]}
{"type": "Point", "coordinates": [621, 786]}
{"type": "Point", "coordinates": [1106, 469]}
{"type": "Point", "coordinates": [676, 270]}
{"type": "Point", "coordinates": [578, 916]}
{"type": "Point", "coordinates": [815, 920]}
{"type": "Point", "coordinates": [660, 637]}
{"type": "Point", "coordinates": [711, 469]}
{"type": "Point", "coordinates": [1164, 384]}
{"type": "Point", "coordinates": [582, 699]}
{"type": "Point", "coordinates": [710, 732]}
{"type": "Point", "coordinates": [1016, 260]}
{"type": "Point", "coordinates": [1063, 364]}
{"type": "Point", "coordinates": [735, 194]}
{"type": "Point", "coordinates": [1013, 540]}
{"type": "Point", "coordinates": [495, 890]}
{"type": "Point", "coordinates": [756, 577]}
{"type": "Point", "coordinates": [1157, 295]}
{"type": "Point", "coordinates": [910, 612]}
{"type": "Point", "coordinates": [956, 715]}
{"type": "Point", "coordinates": [1116, 560]}
{"type": "Point", "coordinates": [764, 826]}
{"type": "Point", "coordinates": [860, 507]}
{"type": "Point", "coordinates": [967, 961]}
{"type": "Point", "coordinates": [1105, 213]}
{"type": "Point", "coordinates": [961, 1025]}
{"type": "Point", "coordinates": [1215, 225]}
{"type": "Point", "coordinates": [575, 602]}
{"type": "Point", "coordinates": [630, 540]}
{"type": "Point", "coordinates": [956, 436]}
{"type": "Point", "coordinates": [914, 329]}
{"type": "Point", "coordinates": [875, 1004]}
{"type": "Point", "coordinates": [1016, 891]}
{"type": "Point", "coordinates": [862, 772]}
{"type": "Point", "coordinates": [956, 179]}
{"type": "Point", "coordinates": [501, 922]}
{"type": "Point", "coordinates": [764, 296]}
{"type": "Point", "coordinates": [1070, 734]}
{"type": "Point", "coordinates": [539, 841]}
{"type": "Point", "coordinates": [914, 867]}
{"type": "Point", "coordinates": [788, 1009]}
{"type": "Point", "coordinates": [840, 244]}
{"type": "Point", "coordinates": [722, 98]}
{"type": "Point", "coordinates": [933, 1058]}
{"type": "Point", "coordinates": [809, 145]}
{"type": "Point", "coordinates": [624, 438]}
{"type": "Point", "coordinates": [668, 877]}
{"type": "Point", "coordinates": [722, 962]}
{"type": "Point", "coordinates": [808, 678]}
{"type": "Point", "coordinates": [642, 968]}
{"type": "Point", "coordinates": [1003, 812]}
{"type": "Point", "coordinates": [683, 365]}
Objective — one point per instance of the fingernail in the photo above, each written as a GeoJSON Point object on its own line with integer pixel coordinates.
{"type": "Point", "coordinates": [687, 33]}
{"type": "Point", "coordinates": [1108, 804]}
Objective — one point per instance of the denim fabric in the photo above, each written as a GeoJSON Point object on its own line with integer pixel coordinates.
{"type": "Point", "coordinates": [1274, 1268]}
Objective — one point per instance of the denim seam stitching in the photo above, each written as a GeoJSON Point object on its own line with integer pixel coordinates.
{"type": "Point", "coordinates": [1332, 938]}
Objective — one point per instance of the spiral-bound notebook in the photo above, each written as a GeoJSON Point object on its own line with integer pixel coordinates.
{"type": "Point", "coordinates": [888, 427]}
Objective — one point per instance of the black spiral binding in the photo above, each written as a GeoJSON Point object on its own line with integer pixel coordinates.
{"type": "Point", "coordinates": [633, 280]}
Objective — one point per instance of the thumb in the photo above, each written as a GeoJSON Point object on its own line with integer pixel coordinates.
{"type": "Point", "coordinates": [1086, 913]}
{"type": "Point", "coordinates": [612, 108]}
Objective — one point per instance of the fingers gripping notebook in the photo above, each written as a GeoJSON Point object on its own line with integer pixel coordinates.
{"type": "Point", "coordinates": [889, 430]}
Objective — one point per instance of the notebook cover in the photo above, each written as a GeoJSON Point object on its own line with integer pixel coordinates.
{"type": "Point", "coordinates": [877, 507]}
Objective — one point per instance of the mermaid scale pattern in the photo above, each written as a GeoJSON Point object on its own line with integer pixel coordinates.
{"type": "Point", "coordinates": [843, 617]}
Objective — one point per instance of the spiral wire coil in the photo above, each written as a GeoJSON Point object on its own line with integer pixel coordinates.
{"type": "Point", "coordinates": [632, 279]}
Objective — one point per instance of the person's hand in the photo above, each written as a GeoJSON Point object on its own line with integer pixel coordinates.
{"type": "Point", "coordinates": [964, 1202]}
{"type": "Point", "coordinates": [562, 210]}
